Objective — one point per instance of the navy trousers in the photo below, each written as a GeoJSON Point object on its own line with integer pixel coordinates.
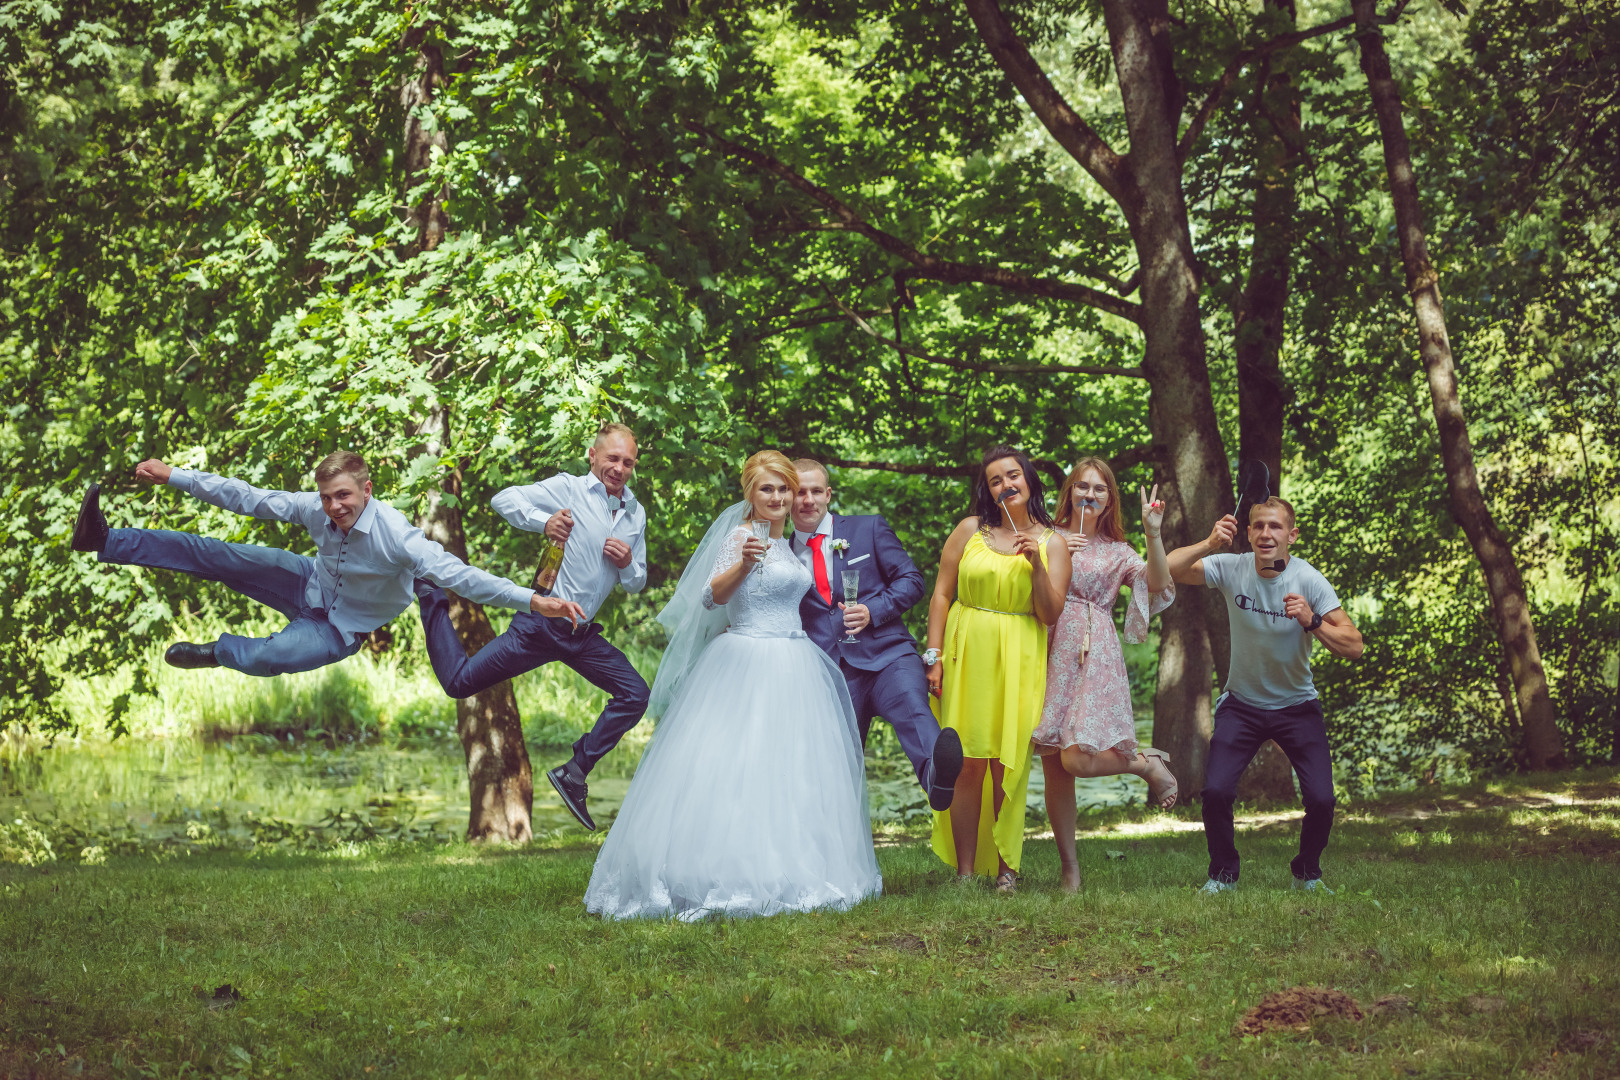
{"type": "Point", "coordinates": [533, 640]}
{"type": "Point", "coordinates": [1240, 730]}
{"type": "Point", "coordinates": [899, 694]}
{"type": "Point", "coordinates": [274, 578]}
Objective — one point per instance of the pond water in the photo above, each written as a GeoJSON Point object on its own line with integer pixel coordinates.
{"type": "Point", "coordinates": [153, 790]}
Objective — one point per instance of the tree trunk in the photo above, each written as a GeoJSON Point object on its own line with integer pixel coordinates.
{"type": "Point", "coordinates": [1181, 410]}
{"type": "Point", "coordinates": [500, 780]}
{"type": "Point", "coordinates": [1542, 747]}
{"type": "Point", "coordinates": [1258, 328]}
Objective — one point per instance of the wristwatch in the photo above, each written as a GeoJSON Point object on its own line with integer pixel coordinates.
{"type": "Point", "coordinates": [930, 657]}
{"type": "Point", "coordinates": [1316, 620]}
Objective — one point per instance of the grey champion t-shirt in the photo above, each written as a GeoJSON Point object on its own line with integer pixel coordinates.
{"type": "Point", "coordinates": [1271, 653]}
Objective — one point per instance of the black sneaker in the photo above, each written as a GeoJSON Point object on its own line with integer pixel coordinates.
{"type": "Point", "coordinates": [90, 530]}
{"type": "Point", "coordinates": [570, 784]}
{"type": "Point", "coordinates": [947, 767]}
{"type": "Point", "coordinates": [186, 654]}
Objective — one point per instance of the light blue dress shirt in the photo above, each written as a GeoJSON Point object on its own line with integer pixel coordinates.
{"type": "Point", "coordinates": [586, 577]}
{"type": "Point", "coordinates": [362, 579]}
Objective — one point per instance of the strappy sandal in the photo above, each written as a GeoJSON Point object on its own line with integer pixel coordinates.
{"type": "Point", "coordinates": [1007, 883]}
{"type": "Point", "coordinates": [1160, 795]}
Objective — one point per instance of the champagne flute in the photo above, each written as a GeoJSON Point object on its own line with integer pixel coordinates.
{"type": "Point", "coordinates": [852, 593]}
{"type": "Point", "coordinates": [762, 531]}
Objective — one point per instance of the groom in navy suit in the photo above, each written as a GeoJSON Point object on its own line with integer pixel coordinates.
{"type": "Point", "coordinates": [884, 673]}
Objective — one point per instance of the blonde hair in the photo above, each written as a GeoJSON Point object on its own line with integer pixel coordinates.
{"type": "Point", "coordinates": [1276, 503]}
{"type": "Point", "coordinates": [1110, 525]}
{"type": "Point", "coordinates": [342, 461]}
{"type": "Point", "coordinates": [763, 462]}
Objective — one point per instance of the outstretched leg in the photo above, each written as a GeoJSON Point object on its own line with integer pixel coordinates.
{"type": "Point", "coordinates": [1149, 765]}
{"type": "Point", "coordinates": [306, 643]}
{"type": "Point", "coordinates": [522, 648]}
{"type": "Point", "coordinates": [275, 578]}
{"type": "Point", "coordinates": [899, 694]}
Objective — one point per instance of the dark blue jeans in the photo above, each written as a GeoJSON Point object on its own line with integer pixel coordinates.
{"type": "Point", "coordinates": [1240, 730]}
{"type": "Point", "coordinates": [899, 694]}
{"type": "Point", "coordinates": [276, 579]}
{"type": "Point", "coordinates": [533, 640]}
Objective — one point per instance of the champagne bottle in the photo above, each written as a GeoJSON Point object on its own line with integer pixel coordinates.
{"type": "Point", "coordinates": [545, 578]}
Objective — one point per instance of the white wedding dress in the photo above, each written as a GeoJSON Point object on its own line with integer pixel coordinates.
{"type": "Point", "coordinates": [751, 797]}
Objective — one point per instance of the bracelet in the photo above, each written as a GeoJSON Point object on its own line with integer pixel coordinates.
{"type": "Point", "coordinates": [930, 657]}
{"type": "Point", "coordinates": [1151, 536]}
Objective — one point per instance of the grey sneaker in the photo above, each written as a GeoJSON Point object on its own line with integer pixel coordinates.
{"type": "Point", "coordinates": [1212, 887]}
{"type": "Point", "coordinates": [1314, 885]}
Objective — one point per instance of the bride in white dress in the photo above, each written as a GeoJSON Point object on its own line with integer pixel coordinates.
{"type": "Point", "coordinates": [751, 797]}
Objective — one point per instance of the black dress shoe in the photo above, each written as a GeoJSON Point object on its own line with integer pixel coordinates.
{"type": "Point", "coordinates": [570, 784]}
{"type": "Point", "coordinates": [186, 654]}
{"type": "Point", "coordinates": [947, 767]}
{"type": "Point", "coordinates": [90, 531]}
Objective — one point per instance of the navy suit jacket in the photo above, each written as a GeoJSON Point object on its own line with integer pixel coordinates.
{"type": "Point", "coordinates": [890, 585]}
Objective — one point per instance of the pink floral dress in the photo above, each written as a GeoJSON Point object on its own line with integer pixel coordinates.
{"type": "Point", "coordinates": [1088, 694]}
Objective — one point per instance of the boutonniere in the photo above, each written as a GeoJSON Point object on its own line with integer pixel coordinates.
{"type": "Point", "coordinates": [840, 546]}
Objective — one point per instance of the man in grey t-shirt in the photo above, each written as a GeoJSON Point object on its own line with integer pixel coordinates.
{"type": "Point", "coordinates": [1277, 605]}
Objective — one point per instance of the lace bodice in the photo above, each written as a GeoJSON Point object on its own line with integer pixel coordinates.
{"type": "Point", "coordinates": [766, 604]}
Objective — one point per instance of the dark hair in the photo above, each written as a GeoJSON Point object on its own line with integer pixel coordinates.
{"type": "Point", "coordinates": [985, 505]}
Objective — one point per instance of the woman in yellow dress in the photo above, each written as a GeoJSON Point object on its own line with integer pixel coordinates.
{"type": "Point", "coordinates": [1002, 581]}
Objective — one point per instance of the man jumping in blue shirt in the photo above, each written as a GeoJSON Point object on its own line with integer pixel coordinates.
{"type": "Point", "coordinates": [367, 555]}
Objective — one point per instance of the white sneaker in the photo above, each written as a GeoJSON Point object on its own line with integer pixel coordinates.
{"type": "Point", "coordinates": [1314, 885]}
{"type": "Point", "coordinates": [1213, 887]}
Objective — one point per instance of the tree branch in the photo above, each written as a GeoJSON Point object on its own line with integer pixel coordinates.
{"type": "Point", "coordinates": [992, 369]}
{"type": "Point", "coordinates": [925, 265]}
{"type": "Point", "coordinates": [1136, 455]}
{"type": "Point", "coordinates": [1242, 60]}
{"type": "Point", "coordinates": [1249, 56]}
{"type": "Point", "coordinates": [1071, 132]}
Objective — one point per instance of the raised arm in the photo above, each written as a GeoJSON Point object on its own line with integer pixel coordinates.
{"type": "Point", "coordinates": [1187, 563]}
{"type": "Point", "coordinates": [737, 557]}
{"type": "Point", "coordinates": [237, 496]}
{"type": "Point", "coordinates": [1158, 567]}
{"type": "Point", "coordinates": [939, 606]}
{"type": "Point", "coordinates": [428, 559]}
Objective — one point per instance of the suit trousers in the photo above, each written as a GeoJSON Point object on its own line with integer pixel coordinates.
{"type": "Point", "coordinates": [899, 694]}
{"type": "Point", "coordinates": [277, 579]}
{"type": "Point", "coordinates": [533, 640]}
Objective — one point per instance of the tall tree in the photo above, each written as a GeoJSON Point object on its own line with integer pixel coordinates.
{"type": "Point", "coordinates": [1542, 743]}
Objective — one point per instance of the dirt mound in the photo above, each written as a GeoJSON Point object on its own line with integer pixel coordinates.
{"type": "Point", "coordinates": [1295, 1009]}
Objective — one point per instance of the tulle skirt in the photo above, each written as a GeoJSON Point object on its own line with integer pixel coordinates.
{"type": "Point", "coordinates": [751, 797]}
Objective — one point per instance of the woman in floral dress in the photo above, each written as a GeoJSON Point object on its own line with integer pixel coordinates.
{"type": "Point", "coordinates": [1087, 727]}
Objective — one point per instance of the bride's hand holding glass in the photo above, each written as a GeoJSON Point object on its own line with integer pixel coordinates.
{"type": "Point", "coordinates": [753, 550]}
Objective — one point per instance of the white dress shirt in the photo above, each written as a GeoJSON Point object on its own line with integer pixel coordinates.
{"type": "Point", "coordinates": [806, 554]}
{"type": "Point", "coordinates": [587, 576]}
{"type": "Point", "coordinates": [363, 578]}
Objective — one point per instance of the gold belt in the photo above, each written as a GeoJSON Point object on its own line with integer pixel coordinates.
{"type": "Point", "coordinates": [995, 611]}
{"type": "Point", "coordinates": [956, 639]}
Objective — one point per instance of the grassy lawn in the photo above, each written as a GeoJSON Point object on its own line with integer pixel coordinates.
{"type": "Point", "coordinates": [1484, 919]}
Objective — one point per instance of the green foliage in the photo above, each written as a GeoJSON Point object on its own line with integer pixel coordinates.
{"type": "Point", "coordinates": [214, 250]}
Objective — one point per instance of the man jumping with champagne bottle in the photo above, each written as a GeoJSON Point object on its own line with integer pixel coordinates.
{"type": "Point", "coordinates": [597, 539]}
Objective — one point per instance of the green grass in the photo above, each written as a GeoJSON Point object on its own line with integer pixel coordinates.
{"type": "Point", "coordinates": [1490, 909]}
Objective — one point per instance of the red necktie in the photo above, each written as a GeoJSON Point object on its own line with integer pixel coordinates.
{"type": "Point", "coordinates": [823, 585]}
